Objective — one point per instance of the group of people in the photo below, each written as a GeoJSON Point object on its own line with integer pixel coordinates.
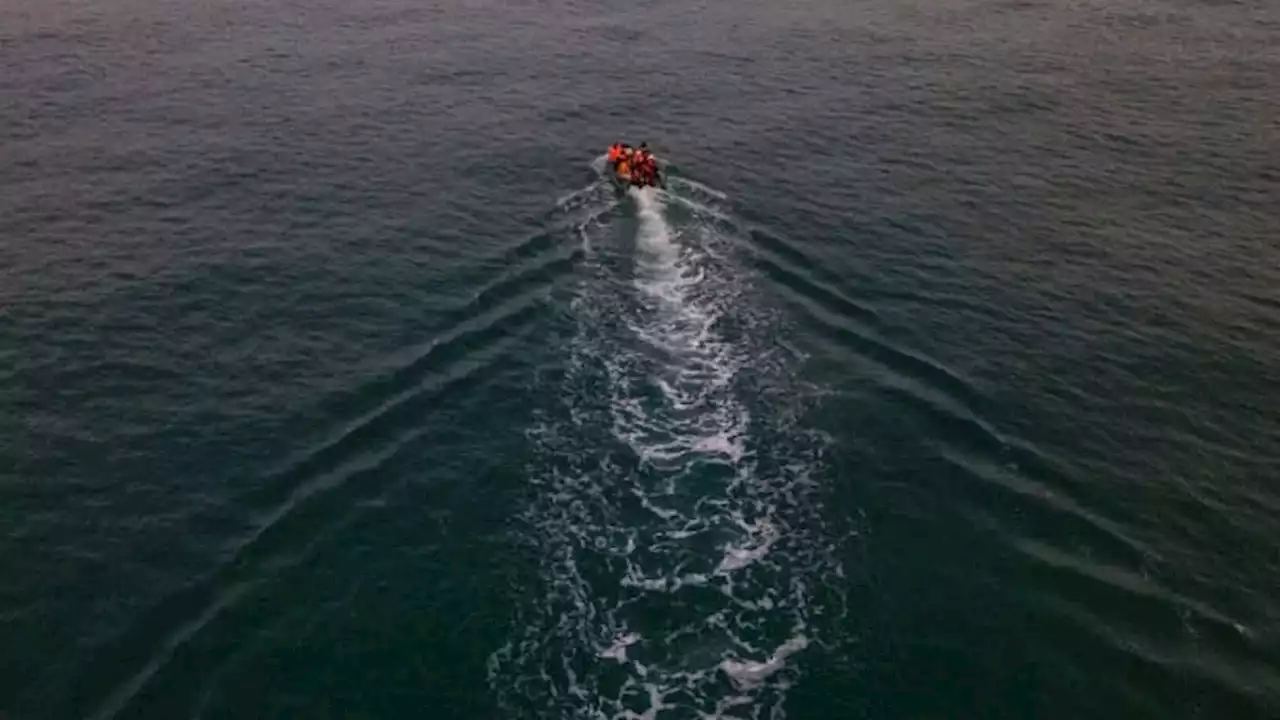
{"type": "Point", "coordinates": [634, 164]}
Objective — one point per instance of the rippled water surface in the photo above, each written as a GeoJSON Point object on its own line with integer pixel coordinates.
{"type": "Point", "coordinates": [940, 382]}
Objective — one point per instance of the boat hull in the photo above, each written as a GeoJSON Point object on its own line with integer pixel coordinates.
{"type": "Point", "coordinates": [622, 182]}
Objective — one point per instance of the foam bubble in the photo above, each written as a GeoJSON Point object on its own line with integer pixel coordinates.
{"type": "Point", "coordinates": [746, 675]}
{"type": "Point", "coordinates": [618, 650]}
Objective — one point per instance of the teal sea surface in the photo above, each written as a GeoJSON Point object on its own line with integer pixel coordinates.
{"type": "Point", "coordinates": [942, 381]}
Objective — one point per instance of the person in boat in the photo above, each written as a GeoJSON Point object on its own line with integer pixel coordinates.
{"type": "Point", "coordinates": [617, 151]}
{"type": "Point", "coordinates": [641, 173]}
{"type": "Point", "coordinates": [642, 157]}
{"type": "Point", "coordinates": [623, 166]}
{"type": "Point", "coordinates": [645, 170]}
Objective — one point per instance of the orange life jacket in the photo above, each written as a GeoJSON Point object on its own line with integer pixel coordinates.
{"type": "Point", "coordinates": [615, 152]}
{"type": "Point", "coordinates": [623, 168]}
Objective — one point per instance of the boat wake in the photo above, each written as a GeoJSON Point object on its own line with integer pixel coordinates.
{"type": "Point", "coordinates": [674, 510]}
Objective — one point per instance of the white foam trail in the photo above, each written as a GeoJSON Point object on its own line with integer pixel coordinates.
{"type": "Point", "coordinates": [673, 519]}
{"type": "Point", "coordinates": [660, 275]}
{"type": "Point", "coordinates": [700, 208]}
{"type": "Point", "coordinates": [618, 650]}
{"type": "Point", "coordinates": [749, 674]}
{"type": "Point", "coordinates": [705, 190]}
{"type": "Point", "coordinates": [761, 535]}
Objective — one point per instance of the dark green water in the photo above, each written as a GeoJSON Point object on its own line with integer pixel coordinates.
{"type": "Point", "coordinates": [941, 384]}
